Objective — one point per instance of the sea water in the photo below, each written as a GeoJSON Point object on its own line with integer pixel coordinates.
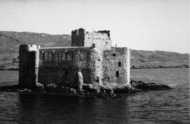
{"type": "Point", "coordinates": [153, 107]}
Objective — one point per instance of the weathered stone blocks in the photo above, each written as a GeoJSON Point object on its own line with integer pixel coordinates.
{"type": "Point", "coordinates": [91, 52]}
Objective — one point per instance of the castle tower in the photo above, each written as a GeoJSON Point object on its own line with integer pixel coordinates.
{"type": "Point", "coordinates": [78, 37]}
{"type": "Point", "coordinates": [101, 39]}
{"type": "Point", "coordinates": [28, 65]}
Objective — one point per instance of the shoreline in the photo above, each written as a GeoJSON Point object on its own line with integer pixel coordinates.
{"type": "Point", "coordinates": [136, 87]}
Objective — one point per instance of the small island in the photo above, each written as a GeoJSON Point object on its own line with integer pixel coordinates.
{"type": "Point", "coordinates": [91, 66]}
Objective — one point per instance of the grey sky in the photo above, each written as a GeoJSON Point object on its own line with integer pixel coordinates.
{"type": "Point", "coordinates": [139, 24]}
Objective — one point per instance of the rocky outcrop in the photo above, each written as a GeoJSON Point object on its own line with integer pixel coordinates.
{"type": "Point", "coordinates": [140, 85]}
{"type": "Point", "coordinates": [89, 90]}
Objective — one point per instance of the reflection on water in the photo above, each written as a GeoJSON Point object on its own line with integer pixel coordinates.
{"type": "Point", "coordinates": [58, 109]}
{"type": "Point", "coordinates": [159, 107]}
{"type": "Point", "coordinates": [155, 107]}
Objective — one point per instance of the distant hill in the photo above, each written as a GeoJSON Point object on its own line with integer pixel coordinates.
{"type": "Point", "coordinates": [158, 59]}
{"type": "Point", "coordinates": [10, 41]}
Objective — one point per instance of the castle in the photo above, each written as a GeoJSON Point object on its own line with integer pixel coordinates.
{"type": "Point", "coordinates": [91, 52]}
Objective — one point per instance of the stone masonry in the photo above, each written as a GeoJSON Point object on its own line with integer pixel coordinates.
{"type": "Point", "coordinates": [91, 52]}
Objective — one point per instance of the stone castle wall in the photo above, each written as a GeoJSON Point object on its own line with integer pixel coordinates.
{"type": "Point", "coordinates": [115, 63]}
{"type": "Point", "coordinates": [60, 65]}
{"type": "Point", "coordinates": [100, 39]}
{"type": "Point", "coordinates": [90, 52]}
{"type": "Point", "coordinates": [28, 65]}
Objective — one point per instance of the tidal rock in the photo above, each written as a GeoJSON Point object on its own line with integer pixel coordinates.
{"type": "Point", "coordinates": [126, 89]}
{"type": "Point", "coordinates": [149, 86]}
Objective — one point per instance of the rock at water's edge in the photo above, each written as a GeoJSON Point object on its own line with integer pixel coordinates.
{"type": "Point", "coordinates": [148, 86]}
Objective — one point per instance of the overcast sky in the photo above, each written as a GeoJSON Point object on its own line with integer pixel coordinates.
{"type": "Point", "coordinates": [138, 24]}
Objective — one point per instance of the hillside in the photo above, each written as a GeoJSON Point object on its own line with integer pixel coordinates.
{"type": "Point", "coordinates": [10, 41]}
{"type": "Point", "coordinates": [158, 59]}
